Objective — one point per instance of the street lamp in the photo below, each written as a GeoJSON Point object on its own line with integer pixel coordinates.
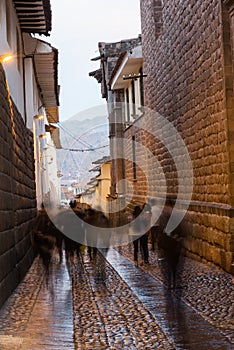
{"type": "Point", "coordinates": [38, 117]}
{"type": "Point", "coordinates": [42, 136]}
{"type": "Point", "coordinates": [6, 58]}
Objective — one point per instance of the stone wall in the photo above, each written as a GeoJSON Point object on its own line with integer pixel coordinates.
{"type": "Point", "coordinates": [187, 54]}
{"type": "Point", "coordinates": [17, 194]}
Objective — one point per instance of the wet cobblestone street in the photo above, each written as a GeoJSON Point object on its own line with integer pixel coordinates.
{"type": "Point", "coordinates": [107, 313]}
{"type": "Point", "coordinates": [112, 304]}
{"type": "Point", "coordinates": [208, 290]}
{"type": "Point", "coordinates": [39, 315]}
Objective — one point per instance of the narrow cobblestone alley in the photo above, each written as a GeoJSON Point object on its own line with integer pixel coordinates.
{"type": "Point", "coordinates": [115, 306]}
{"type": "Point", "coordinates": [117, 175]}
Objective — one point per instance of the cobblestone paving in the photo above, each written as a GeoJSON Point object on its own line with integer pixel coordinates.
{"type": "Point", "coordinates": [16, 311]}
{"type": "Point", "coordinates": [207, 289]}
{"type": "Point", "coordinates": [106, 313]}
{"type": "Point", "coordinates": [38, 315]}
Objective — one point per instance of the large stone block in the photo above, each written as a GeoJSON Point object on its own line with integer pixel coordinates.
{"type": "Point", "coordinates": [8, 262]}
{"type": "Point", "coordinates": [17, 195]}
{"type": "Point", "coordinates": [8, 284]}
{"type": "Point", "coordinates": [7, 240]}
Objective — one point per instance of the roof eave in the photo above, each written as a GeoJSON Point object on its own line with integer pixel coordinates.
{"type": "Point", "coordinates": [34, 16]}
{"type": "Point", "coordinates": [128, 63]}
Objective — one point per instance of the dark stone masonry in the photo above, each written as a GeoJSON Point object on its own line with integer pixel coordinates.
{"type": "Point", "coordinates": [17, 194]}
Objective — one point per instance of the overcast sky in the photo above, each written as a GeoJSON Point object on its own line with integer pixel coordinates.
{"type": "Point", "coordinates": [78, 26]}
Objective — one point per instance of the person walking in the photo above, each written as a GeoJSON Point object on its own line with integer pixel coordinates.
{"type": "Point", "coordinates": [146, 224]}
{"type": "Point", "coordinates": [91, 232]}
{"type": "Point", "coordinates": [135, 230]}
{"type": "Point", "coordinates": [155, 225]}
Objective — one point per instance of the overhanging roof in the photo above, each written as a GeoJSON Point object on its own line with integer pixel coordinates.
{"type": "Point", "coordinates": [128, 64]}
{"type": "Point", "coordinates": [34, 15]}
{"type": "Point", "coordinates": [52, 114]}
{"type": "Point", "coordinates": [45, 62]}
{"type": "Point", "coordinates": [55, 135]}
{"type": "Point", "coordinates": [96, 168]}
{"type": "Point", "coordinates": [97, 74]}
{"type": "Point", "coordinates": [102, 160]}
{"type": "Point", "coordinates": [46, 71]}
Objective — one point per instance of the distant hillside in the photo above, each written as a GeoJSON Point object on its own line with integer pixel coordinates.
{"type": "Point", "coordinates": [90, 138]}
{"type": "Point", "coordinates": [78, 127]}
{"type": "Point", "coordinates": [90, 113]}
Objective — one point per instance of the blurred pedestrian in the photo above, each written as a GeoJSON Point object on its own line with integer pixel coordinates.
{"type": "Point", "coordinates": [43, 239]}
{"type": "Point", "coordinates": [135, 231]}
{"type": "Point", "coordinates": [90, 219]}
{"type": "Point", "coordinates": [146, 224]}
{"type": "Point", "coordinates": [171, 250]}
{"type": "Point", "coordinates": [155, 224]}
{"type": "Point", "coordinates": [72, 203]}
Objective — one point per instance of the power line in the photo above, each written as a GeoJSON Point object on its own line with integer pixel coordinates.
{"type": "Point", "coordinates": [84, 143]}
{"type": "Point", "coordinates": [66, 130]}
{"type": "Point", "coordinates": [91, 149]}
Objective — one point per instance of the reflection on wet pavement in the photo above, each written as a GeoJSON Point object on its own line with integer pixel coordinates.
{"type": "Point", "coordinates": [40, 316]}
{"type": "Point", "coordinates": [107, 315]}
{"type": "Point", "coordinates": [184, 327]}
{"type": "Point", "coordinates": [99, 304]}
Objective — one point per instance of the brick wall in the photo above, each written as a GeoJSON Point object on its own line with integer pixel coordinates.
{"type": "Point", "coordinates": [187, 50]}
{"type": "Point", "coordinates": [17, 194]}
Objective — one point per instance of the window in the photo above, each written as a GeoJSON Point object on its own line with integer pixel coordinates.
{"type": "Point", "coordinates": [134, 157]}
{"type": "Point", "coordinates": [127, 105]}
{"type": "Point", "coordinates": [133, 98]}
